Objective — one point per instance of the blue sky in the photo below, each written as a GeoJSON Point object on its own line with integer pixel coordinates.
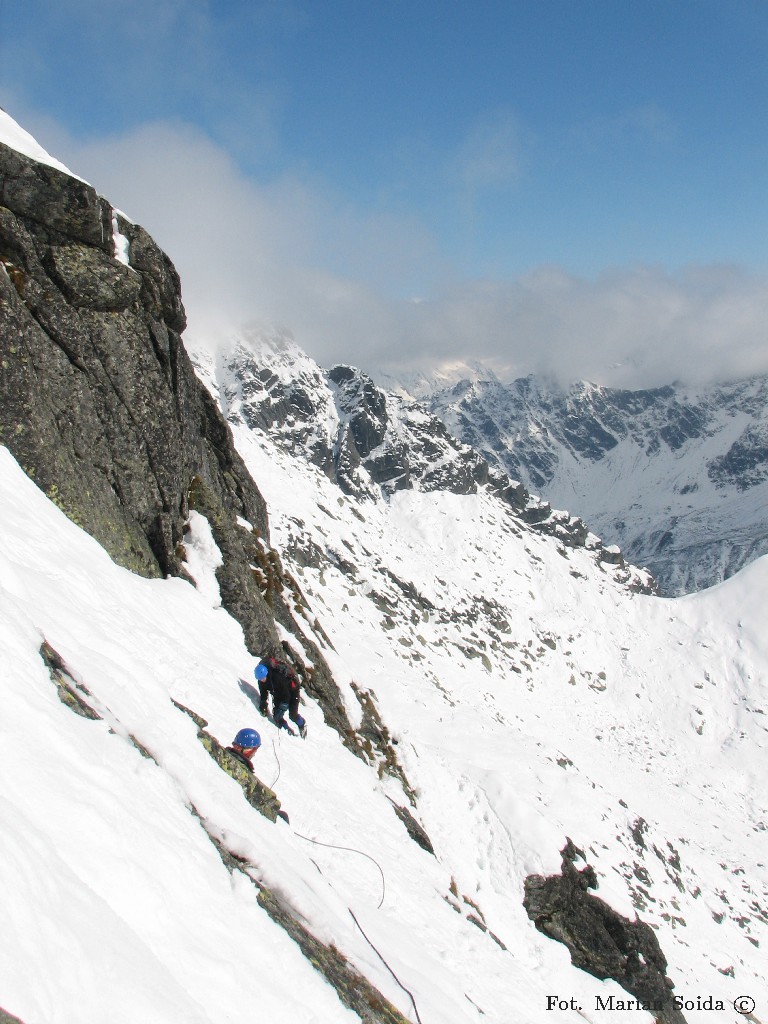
{"type": "Point", "coordinates": [556, 181]}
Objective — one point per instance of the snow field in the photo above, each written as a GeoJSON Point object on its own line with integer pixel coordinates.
{"type": "Point", "coordinates": [118, 904]}
{"type": "Point", "coordinates": [508, 764]}
{"type": "Point", "coordinates": [119, 907]}
{"type": "Point", "coordinates": [13, 135]}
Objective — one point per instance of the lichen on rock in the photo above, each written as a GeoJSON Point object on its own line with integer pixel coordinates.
{"type": "Point", "coordinates": [8, 1018]}
{"type": "Point", "coordinates": [256, 793]}
{"type": "Point", "coordinates": [66, 685]}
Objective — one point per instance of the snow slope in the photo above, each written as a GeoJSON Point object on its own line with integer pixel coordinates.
{"type": "Point", "coordinates": [558, 699]}
{"type": "Point", "coordinates": [13, 135]}
{"type": "Point", "coordinates": [117, 904]}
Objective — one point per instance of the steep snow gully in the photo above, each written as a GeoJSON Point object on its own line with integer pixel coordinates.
{"type": "Point", "coordinates": [551, 780]}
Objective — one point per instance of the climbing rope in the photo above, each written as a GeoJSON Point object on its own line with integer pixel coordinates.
{"type": "Point", "coordinates": [272, 784]}
{"type": "Point", "coordinates": [351, 849]}
{"type": "Point", "coordinates": [332, 846]}
{"type": "Point", "coordinates": [378, 954]}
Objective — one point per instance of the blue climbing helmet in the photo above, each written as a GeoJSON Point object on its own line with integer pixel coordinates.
{"type": "Point", "coordinates": [261, 671]}
{"type": "Point", "coordinates": [247, 738]}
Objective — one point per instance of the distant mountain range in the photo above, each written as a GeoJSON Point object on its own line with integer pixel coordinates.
{"type": "Point", "coordinates": [373, 442]}
{"type": "Point", "coordinates": [676, 476]}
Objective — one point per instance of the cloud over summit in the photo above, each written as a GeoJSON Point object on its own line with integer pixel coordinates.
{"type": "Point", "coordinates": [372, 289]}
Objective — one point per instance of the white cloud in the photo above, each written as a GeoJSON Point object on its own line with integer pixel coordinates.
{"type": "Point", "coordinates": [633, 327]}
{"type": "Point", "coordinates": [491, 154]}
{"type": "Point", "coordinates": [292, 252]}
{"type": "Point", "coordinates": [287, 250]}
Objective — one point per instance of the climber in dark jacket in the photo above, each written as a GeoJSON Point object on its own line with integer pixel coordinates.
{"type": "Point", "coordinates": [279, 680]}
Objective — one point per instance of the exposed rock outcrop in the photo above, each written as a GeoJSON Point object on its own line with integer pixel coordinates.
{"type": "Point", "coordinates": [415, 829]}
{"type": "Point", "coordinates": [7, 1018]}
{"type": "Point", "coordinates": [66, 686]}
{"type": "Point", "coordinates": [601, 941]}
{"type": "Point", "coordinates": [256, 793]}
{"type": "Point", "coordinates": [100, 404]}
{"type": "Point", "coordinates": [98, 399]}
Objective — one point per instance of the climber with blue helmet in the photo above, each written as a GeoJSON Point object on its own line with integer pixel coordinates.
{"type": "Point", "coordinates": [244, 746]}
{"type": "Point", "coordinates": [278, 680]}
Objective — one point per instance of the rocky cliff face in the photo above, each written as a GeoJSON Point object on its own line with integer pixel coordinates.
{"type": "Point", "coordinates": [562, 907]}
{"type": "Point", "coordinates": [99, 402]}
{"type": "Point", "coordinates": [100, 405]}
{"type": "Point", "coordinates": [676, 476]}
{"type": "Point", "coordinates": [7, 1018]}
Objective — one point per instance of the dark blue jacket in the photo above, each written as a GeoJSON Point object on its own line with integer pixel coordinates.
{"type": "Point", "coordinates": [281, 682]}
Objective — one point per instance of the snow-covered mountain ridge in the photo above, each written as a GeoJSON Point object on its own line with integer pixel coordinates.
{"type": "Point", "coordinates": [370, 442]}
{"type": "Point", "coordinates": [677, 476]}
{"type": "Point", "coordinates": [473, 686]}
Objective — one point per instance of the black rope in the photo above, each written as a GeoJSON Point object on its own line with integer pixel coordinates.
{"type": "Point", "coordinates": [378, 954]}
{"type": "Point", "coordinates": [274, 748]}
{"type": "Point", "coordinates": [350, 849]}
